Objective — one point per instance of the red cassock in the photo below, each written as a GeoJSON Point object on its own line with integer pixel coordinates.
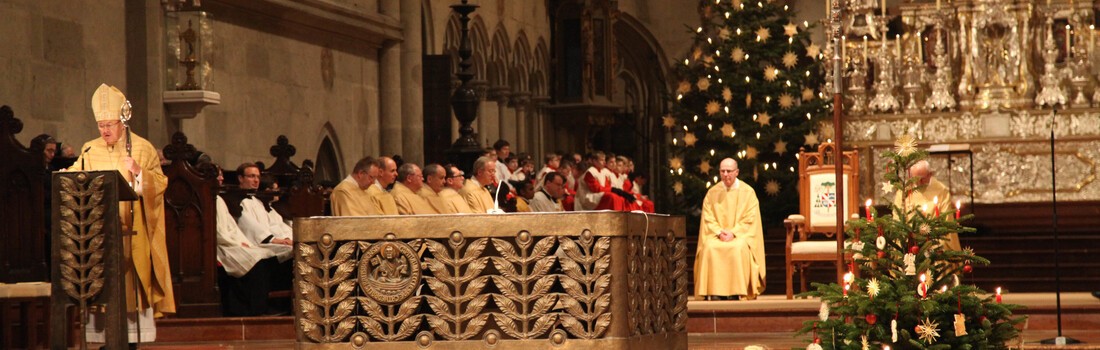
{"type": "Point", "coordinates": [609, 200]}
{"type": "Point", "coordinates": [641, 203]}
{"type": "Point", "coordinates": [568, 200]}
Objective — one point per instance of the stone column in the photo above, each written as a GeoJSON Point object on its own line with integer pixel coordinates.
{"type": "Point", "coordinates": [389, 88]}
{"type": "Point", "coordinates": [520, 102]}
{"type": "Point", "coordinates": [506, 116]}
{"type": "Point", "coordinates": [412, 85]}
{"type": "Point", "coordinates": [538, 126]}
{"type": "Point", "coordinates": [487, 131]}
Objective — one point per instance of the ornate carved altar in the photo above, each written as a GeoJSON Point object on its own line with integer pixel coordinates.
{"type": "Point", "coordinates": [993, 74]}
{"type": "Point", "coordinates": [581, 280]}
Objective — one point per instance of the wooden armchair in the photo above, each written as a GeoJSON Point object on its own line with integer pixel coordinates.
{"type": "Point", "coordinates": [817, 207]}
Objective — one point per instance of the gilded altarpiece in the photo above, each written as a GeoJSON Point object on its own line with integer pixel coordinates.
{"type": "Point", "coordinates": [561, 281]}
{"type": "Point", "coordinates": [998, 76]}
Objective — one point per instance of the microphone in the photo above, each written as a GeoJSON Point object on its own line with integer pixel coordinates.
{"type": "Point", "coordinates": [496, 201]}
{"type": "Point", "coordinates": [82, 153]}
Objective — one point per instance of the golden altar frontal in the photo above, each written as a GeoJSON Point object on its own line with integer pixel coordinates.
{"type": "Point", "coordinates": [584, 280]}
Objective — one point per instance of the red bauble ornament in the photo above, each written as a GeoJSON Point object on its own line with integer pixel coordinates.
{"type": "Point", "coordinates": [913, 250]}
{"type": "Point", "coordinates": [871, 319]}
{"type": "Point", "coordinates": [916, 329]}
{"type": "Point", "coordinates": [968, 268]}
{"type": "Point", "coordinates": [881, 254]}
{"type": "Point", "coordinates": [981, 319]}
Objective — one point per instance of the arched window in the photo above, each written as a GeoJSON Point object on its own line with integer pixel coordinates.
{"type": "Point", "coordinates": [327, 172]}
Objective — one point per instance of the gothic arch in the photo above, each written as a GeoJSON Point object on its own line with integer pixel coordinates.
{"type": "Point", "coordinates": [499, 58]}
{"type": "Point", "coordinates": [328, 168]}
{"type": "Point", "coordinates": [479, 41]}
{"type": "Point", "coordinates": [539, 69]}
{"type": "Point", "coordinates": [427, 26]}
{"type": "Point", "coordinates": [521, 63]}
{"type": "Point", "coordinates": [452, 40]}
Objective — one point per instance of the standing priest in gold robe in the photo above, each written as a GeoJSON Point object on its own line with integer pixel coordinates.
{"type": "Point", "coordinates": [730, 256]}
{"type": "Point", "coordinates": [929, 194]}
{"type": "Point", "coordinates": [146, 254]}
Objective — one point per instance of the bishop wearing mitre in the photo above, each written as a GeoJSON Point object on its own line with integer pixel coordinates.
{"type": "Point", "coordinates": [730, 256]}
{"type": "Point", "coordinates": [148, 279]}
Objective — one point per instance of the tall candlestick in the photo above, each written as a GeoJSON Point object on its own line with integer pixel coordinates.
{"type": "Point", "coordinates": [1092, 37]}
{"type": "Point", "coordinates": [883, 13]}
{"type": "Point", "coordinates": [897, 46]}
{"type": "Point", "coordinates": [828, 9]}
{"type": "Point", "coordinates": [958, 210]}
{"type": "Point", "coordinates": [920, 48]}
{"type": "Point", "coordinates": [1068, 52]}
{"type": "Point", "coordinates": [864, 47]}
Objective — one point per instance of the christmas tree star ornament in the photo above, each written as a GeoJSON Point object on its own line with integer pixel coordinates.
{"type": "Point", "coordinates": [762, 34]}
{"type": "Point", "coordinates": [887, 188]}
{"type": "Point", "coordinates": [811, 139]}
{"type": "Point", "coordinates": [713, 107]}
{"type": "Point", "coordinates": [724, 33]}
{"type": "Point", "coordinates": [928, 332]}
{"type": "Point", "coordinates": [675, 163]}
{"type": "Point", "coordinates": [678, 187]}
{"type": "Point", "coordinates": [704, 166]}
{"type": "Point", "coordinates": [751, 152]}
{"type": "Point", "coordinates": [807, 94]}
{"type": "Point", "coordinates": [812, 51]}
{"type": "Point", "coordinates": [727, 94]}
{"type": "Point", "coordinates": [864, 344]}
{"type": "Point", "coordinates": [873, 287]}
{"type": "Point", "coordinates": [786, 101]}
{"type": "Point", "coordinates": [728, 130]}
{"type": "Point", "coordinates": [738, 55]}
{"type": "Point", "coordinates": [905, 145]}
{"type": "Point", "coordinates": [790, 29]}
{"type": "Point", "coordinates": [684, 87]}
{"type": "Point", "coordinates": [668, 121]}
{"type": "Point", "coordinates": [703, 84]}
{"type": "Point", "coordinates": [770, 73]}
{"type": "Point", "coordinates": [690, 139]}
{"type": "Point", "coordinates": [698, 52]}
{"type": "Point", "coordinates": [764, 119]}
{"type": "Point", "coordinates": [772, 188]}
{"type": "Point", "coordinates": [790, 60]}
{"type": "Point", "coordinates": [780, 147]}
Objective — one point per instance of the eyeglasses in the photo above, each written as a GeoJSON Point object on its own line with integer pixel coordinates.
{"type": "Point", "coordinates": [107, 124]}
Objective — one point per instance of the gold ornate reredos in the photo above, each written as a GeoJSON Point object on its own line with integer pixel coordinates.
{"type": "Point", "coordinates": [389, 272]}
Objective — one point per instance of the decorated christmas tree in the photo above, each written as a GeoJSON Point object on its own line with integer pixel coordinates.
{"type": "Point", "coordinates": [749, 90]}
{"type": "Point", "coordinates": [911, 290]}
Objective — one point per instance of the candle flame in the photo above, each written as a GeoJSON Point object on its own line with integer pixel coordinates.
{"type": "Point", "coordinates": [958, 204]}
{"type": "Point", "coordinates": [923, 278]}
{"type": "Point", "coordinates": [868, 203]}
{"type": "Point", "coordinates": [936, 200]}
{"type": "Point", "coordinates": [998, 290]}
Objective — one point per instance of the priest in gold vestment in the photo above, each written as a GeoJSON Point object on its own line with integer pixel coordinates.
{"type": "Point", "coordinates": [382, 198]}
{"type": "Point", "coordinates": [350, 197]}
{"type": "Point", "coordinates": [730, 256]}
{"type": "Point", "coordinates": [409, 182]}
{"type": "Point", "coordinates": [930, 193]}
{"type": "Point", "coordinates": [474, 191]}
{"type": "Point", "coordinates": [148, 278]}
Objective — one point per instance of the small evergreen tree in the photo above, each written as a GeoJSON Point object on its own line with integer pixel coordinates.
{"type": "Point", "coordinates": [749, 90]}
{"type": "Point", "coordinates": [908, 295]}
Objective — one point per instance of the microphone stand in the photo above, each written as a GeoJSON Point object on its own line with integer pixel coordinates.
{"type": "Point", "coordinates": [1059, 340]}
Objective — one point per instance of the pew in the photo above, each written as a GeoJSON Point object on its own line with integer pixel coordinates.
{"type": "Point", "coordinates": [190, 225]}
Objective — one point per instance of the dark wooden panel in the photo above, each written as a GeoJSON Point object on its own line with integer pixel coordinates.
{"type": "Point", "coordinates": [23, 177]}
{"type": "Point", "coordinates": [437, 107]}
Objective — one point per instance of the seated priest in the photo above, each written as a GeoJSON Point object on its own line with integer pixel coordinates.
{"type": "Point", "coordinates": [729, 260]}
{"type": "Point", "coordinates": [548, 197]}
{"type": "Point", "coordinates": [475, 191]}
{"type": "Point", "coordinates": [378, 192]}
{"type": "Point", "coordinates": [454, 182]}
{"type": "Point", "coordinates": [929, 194]}
{"type": "Point", "coordinates": [260, 223]}
{"type": "Point", "coordinates": [250, 270]}
{"type": "Point", "coordinates": [350, 197]}
{"type": "Point", "coordinates": [409, 182]}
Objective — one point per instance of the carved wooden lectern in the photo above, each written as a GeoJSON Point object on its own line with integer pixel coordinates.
{"type": "Point", "coordinates": [87, 270]}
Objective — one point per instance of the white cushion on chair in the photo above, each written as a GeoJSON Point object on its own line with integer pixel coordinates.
{"type": "Point", "coordinates": [816, 247]}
